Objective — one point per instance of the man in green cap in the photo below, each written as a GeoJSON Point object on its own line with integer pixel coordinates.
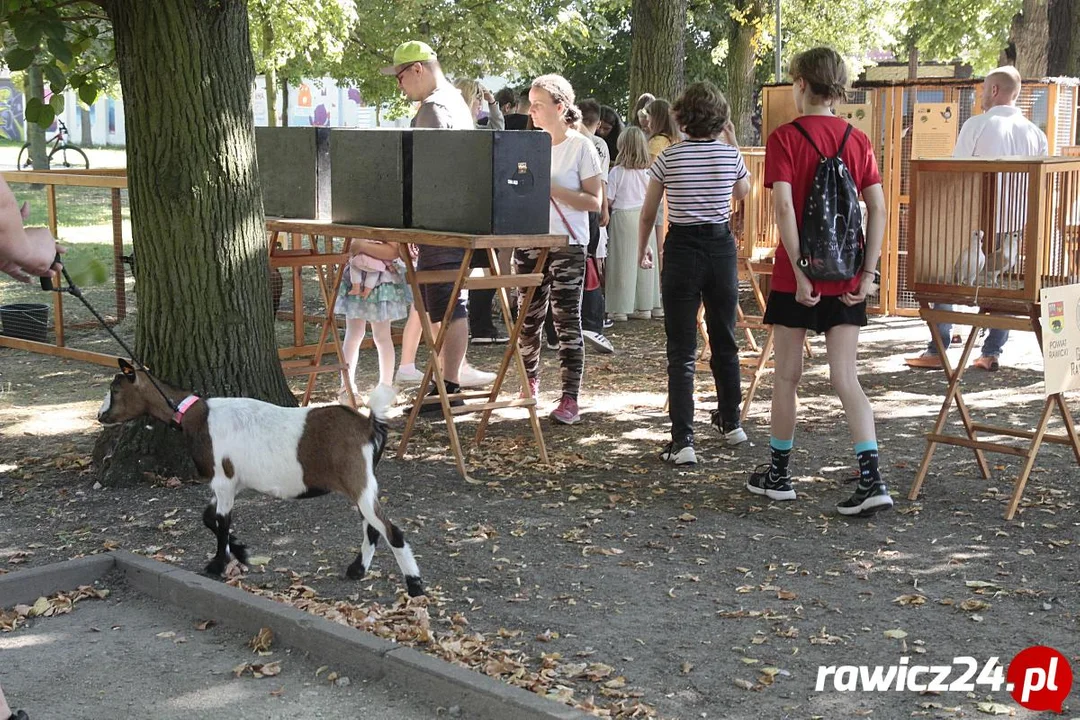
{"type": "Point", "coordinates": [421, 78]}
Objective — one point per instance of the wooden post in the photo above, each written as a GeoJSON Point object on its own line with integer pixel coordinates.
{"type": "Point", "coordinates": [58, 298]}
{"type": "Point", "coordinates": [118, 251]}
{"type": "Point", "coordinates": [1051, 117]}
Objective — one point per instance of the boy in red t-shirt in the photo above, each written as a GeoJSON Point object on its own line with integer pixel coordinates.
{"type": "Point", "coordinates": [835, 308]}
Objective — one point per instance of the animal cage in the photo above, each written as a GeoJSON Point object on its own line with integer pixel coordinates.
{"type": "Point", "coordinates": [889, 119]}
{"type": "Point", "coordinates": [992, 233]}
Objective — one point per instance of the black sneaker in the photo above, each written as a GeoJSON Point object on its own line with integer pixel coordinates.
{"type": "Point", "coordinates": [762, 482]}
{"type": "Point", "coordinates": [733, 432]}
{"type": "Point", "coordinates": [867, 502]}
{"type": "Point", "coordinates": [436, 408]}
{"type": "Point", "coordinates": [679, 454]}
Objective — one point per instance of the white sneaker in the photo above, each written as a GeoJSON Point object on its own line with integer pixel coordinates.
{"type": "Point", "coordinates": [470, 377]}
{"type": "Point", "coordinates": [641, 315]}
{"type": "Point", "coordinates": [679, 454]}
{"type": "Point", "coordinates": [600, 343]}
{"type": "Point", "coordinates": [408, 374]}
{"type": "Point", "coordinates": [735, 437]}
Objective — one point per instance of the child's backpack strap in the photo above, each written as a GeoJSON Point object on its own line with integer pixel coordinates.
{"type": "Point", "coordinates": [839, 152]}
{"type": "Point", "coordinates": [802, 131]}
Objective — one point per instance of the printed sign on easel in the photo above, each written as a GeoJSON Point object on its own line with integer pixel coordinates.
{"type": "Point", "coordinates": [934, 130]}
{"type": "Point", "coordinates": [1061, 338]}
{"type": "Point", "coordinates": [858, 115]}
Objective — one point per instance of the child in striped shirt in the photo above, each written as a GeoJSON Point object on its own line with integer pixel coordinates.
{"type": "Point", "coordinates": [701, 177]}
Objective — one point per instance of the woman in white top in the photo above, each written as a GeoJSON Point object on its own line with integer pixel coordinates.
{"type": "Point", "coordinates": [575, 192]}
{"type": "Point", "coordinates": [627, 182]}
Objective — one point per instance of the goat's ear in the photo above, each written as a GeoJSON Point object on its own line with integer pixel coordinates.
{"type": "Point", "coordinates": [126, 368]}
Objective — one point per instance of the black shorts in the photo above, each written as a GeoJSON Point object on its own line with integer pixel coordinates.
{"type": "Point", "coordinates": [784, 309]}
{"type": "Point", "coordinates": [438, 296]}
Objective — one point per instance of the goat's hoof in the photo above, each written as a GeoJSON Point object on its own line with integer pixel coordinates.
{"type": "Point", "coordinates": [215, 567]}
{"type": "Point", "coordinates": [356, 571]}
{"type": "Point", "coordinates": [414, 586]}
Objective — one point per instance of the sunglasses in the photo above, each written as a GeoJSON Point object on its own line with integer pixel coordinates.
{"type": "Point", "coordinates": [402, 71]}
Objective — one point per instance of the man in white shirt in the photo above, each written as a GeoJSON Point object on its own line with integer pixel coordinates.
{"type": "Point", "coordinates": [1000, 131]}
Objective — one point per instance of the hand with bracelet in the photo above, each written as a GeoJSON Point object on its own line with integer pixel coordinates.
{"type": "Point", "coordinates": [869, 280]}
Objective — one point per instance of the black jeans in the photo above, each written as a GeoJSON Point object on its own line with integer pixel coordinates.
{"type": "Point", "coordinates": [481, 320]}
{"type": "Point", "coordinates": [592, 301]}
{"type": "Point", "coordinates": [700, 267]}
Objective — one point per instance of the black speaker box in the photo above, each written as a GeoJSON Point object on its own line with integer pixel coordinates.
{"type": "Point", "coordinates": [481, 181]}
{"type": "Point", "coordinates": [372, 177]}
{"type": "Point", "coordinates": [294, 166]}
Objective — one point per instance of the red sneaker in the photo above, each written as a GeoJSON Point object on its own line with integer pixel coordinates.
{"type": "Point", "coordinates": [533, 388]}
{"type": "Point", "coordinates": [567, 412]}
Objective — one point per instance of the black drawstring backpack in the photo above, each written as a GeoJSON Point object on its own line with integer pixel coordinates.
{"type": "Point", "coordinates": [831, 237]}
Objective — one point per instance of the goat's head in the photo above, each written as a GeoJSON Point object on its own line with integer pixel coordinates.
{"type": "Point", "coordinates": [130, 395]}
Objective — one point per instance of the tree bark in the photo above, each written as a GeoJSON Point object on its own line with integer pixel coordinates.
{"type": "Point", "coordinates": [270, 76]}
{"type": "Point", "coordinates": [205, 319]}
{"type": "Point", "coordinates": [657, 48]}
{"type": "Point", "coordinates": [284, 101]}
{"type": "Point", "coordinates": [1063, 56]}
{"type": "Point", "coordinates": [35, 134]}
{"type": "Point", "coordinates": [744, 38]}
{"type": "Point", "coordinates": [87, 134]}
{"type": "Point", "coordinates": [1029, 36]}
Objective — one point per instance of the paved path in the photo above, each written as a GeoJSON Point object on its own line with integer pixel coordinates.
{"type": "Point", "coordinates": [108, 659]}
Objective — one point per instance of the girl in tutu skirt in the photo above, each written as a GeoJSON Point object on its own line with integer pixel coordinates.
{"type": "Point", "coordinates": [379, 305]}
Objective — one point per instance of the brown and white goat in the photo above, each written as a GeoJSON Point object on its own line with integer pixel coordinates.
{"type": "Point", "coordinates": [239, 443]}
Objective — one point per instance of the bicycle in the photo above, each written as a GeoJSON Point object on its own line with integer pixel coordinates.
{"type": "Point", "coordinates": [71, 155]}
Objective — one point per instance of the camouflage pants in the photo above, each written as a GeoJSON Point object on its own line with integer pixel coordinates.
{"type": "Point", "coordinates": [564, 280]}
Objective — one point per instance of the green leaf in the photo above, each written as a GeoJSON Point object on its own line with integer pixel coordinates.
{"type": "Point", "coordinates": [46, 116]}
{"type": "Point", "coordinates": [75, 80]}
{"type": "Point", "coordinates": [56, 78]}
{"type": "Point", "coordinates": [33, 109]}
{"type": "Point", "coordinates": [19, 59]}
{"type": "Point", "coordinates": [27, 33]}
{"type": "Point", "coordinates": [88, 93]}
{"type": "Point", "coordinates": [56, 30]}
{"type": "Point", "coordinates": [60, 51]}
{"type": "Point", "coordinates": [56, 102]}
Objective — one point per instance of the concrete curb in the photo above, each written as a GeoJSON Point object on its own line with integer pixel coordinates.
{"type": "Point", "coordinates": [363, 655]}
{"type": "Point", "coordinates": [26, 586]}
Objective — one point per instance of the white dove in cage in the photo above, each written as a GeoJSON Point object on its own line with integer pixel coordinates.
{"type": "Point", "coordinates": [971, 262]}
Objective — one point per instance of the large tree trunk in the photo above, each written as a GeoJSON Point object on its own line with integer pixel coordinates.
{"type": "Point", "coordinates": [205, 315]}
{"type": "Point", "coordinates": [657, 55]}
{"type": "Point", "coordinates": [35, 134]}
{"type": "Point", "coordinates": [1064, 51]}
{"type": "Point", "coordinates": [744, 37]}
{"type": "Point", "coordinates": [1029, 36]}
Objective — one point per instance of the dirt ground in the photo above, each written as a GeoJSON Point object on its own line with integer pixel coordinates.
{"type": "Point", "coordinates": [644, 588]}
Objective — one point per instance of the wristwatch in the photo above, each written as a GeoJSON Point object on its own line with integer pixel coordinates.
{"type": "Point", "coordinates": [877, 275]}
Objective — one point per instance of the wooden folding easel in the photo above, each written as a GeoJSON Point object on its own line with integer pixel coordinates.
{"type": "Point", "coordinates": [332, 266]}
{"type": "Point", "coordinates": [494, 278]}
{"type": "Point", "coordinates": [304, 359]}
{"type": "Point", "coordinates": [1015, 320]}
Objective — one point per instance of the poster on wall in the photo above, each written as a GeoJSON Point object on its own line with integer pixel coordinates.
{"type": "Point", "coordinates": [858, 115]}
{"type": "Point", "coordinates": [1061, 338]}
{"type": "Point", "coordinates": [934, 130]}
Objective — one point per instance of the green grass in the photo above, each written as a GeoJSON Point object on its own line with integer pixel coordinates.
{"type": "Point", "coordinates": [75, 206]}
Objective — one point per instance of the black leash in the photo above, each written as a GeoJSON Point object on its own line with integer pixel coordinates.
{"type": "Point", "coordinates": [75, 290]}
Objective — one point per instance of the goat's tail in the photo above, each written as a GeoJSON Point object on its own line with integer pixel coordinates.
{"type": "Point", "coordinates": [379, 402]}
